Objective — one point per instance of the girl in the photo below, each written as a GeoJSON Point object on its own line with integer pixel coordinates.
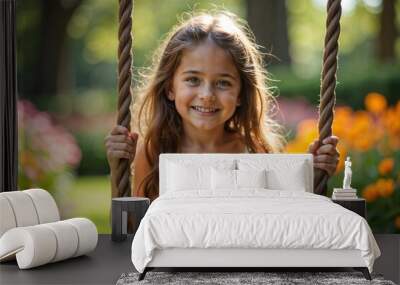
{"type": "Point", "coordinates": [206, 94]}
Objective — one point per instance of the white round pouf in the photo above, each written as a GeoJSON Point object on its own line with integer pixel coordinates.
{"type": "Point", "coordinates": [7, 216]}
{"type": "Point", "coordinates": [46, 207]}
{"type": "Point", "coordinates": [33, 246]}
{"type": "Point", "coordinates": [87, 233]}
{"type": "Point", "coordinates": [23, 208]}
{"type": "Point", "coordinates": [67, 239]}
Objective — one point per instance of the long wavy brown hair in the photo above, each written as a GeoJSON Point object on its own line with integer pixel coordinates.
{"type": "Point", "coordinates": [157, 121]}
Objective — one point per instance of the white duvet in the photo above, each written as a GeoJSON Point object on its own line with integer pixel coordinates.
{"type": "Point", "coordinates": [252, 218]}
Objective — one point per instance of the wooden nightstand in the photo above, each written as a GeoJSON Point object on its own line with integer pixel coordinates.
{"type": "Point", "coordinates": [356, 205]}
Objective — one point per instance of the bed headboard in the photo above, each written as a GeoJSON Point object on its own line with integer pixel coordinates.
{"type": "Point", "coordinates": [277, 162]}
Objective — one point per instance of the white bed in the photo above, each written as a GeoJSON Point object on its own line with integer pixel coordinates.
{"type": "Point", "coordinates": [203, 218]}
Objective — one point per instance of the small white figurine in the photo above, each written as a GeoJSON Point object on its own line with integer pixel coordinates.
{"type": "Point", "coordinates": [347, 174]}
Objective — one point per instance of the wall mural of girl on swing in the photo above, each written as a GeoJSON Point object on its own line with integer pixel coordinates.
{"type": "Point", "coordinates": [206, 93]}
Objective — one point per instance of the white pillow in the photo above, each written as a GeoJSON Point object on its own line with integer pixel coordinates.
{"type": "Point", "coordinates": [182, 177]}
{"type": "Point", "coordinates": [237, 179]}
{"type": "Point", "coordinates": [186, 173]}
{"type": "Point", "coordinates": [282, 174]}
{"type": "Point", "coordinates": [251, 178]}
{"type": "Point", "coordinates": [295, 180]}
{"type": "Point", "coordinates": [223, 179]}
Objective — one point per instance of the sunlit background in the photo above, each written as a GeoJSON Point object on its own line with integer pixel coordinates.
{"type": "Point", "coordinates": [67, 63]}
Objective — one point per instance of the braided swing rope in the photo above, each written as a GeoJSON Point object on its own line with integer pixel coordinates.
{"type": "Point", "coordinates": [328, 85]}
{"type": "Point", "coordinates": [327, 91]}
{"type": "Point", "coordinates": [124, 89]}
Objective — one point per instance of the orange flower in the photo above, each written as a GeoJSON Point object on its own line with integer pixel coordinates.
{"type": "Point", "coordinates": [343, 153]}
{"type": "Point", "coordinates": [375, 102]}
{"type": "Point", "coordinates": [361, 134]}
{"type": "Point", "coordinates": [397, 222]}
{"type": "Point", "coordinates": [385, 187]}
{"type": "Point", "coordinates": [391, 121]}
{"type": "Point", "coordinates": [342, 121]}
{"type": "Point", "coordinates": [307, 132]}
{"type": "Point", "coordinates": [386, 166]}
{"type": "Point", "coordinates": [370, 193]}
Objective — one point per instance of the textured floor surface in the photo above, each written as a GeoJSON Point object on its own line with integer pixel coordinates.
{"type": "Point", "coordinates": [226, 278]}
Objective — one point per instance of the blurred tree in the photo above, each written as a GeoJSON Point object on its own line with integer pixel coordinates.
{"type": "Point", "coordinates": [268, 20]}
{"type": "Point", "coordinates": [42, 46]}
{"type": "Point", "coordinates": [386, 38]}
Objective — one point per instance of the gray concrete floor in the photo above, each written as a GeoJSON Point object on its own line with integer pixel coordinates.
{"type": "Point", "coordinates": [106, 264]}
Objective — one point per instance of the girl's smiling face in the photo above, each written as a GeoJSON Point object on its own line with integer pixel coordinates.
{"type": "Point", "coordinates": [205, 87]}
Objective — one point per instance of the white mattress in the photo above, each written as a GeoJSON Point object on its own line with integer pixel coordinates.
{"type": "Point", "coordinates": [252, 218]}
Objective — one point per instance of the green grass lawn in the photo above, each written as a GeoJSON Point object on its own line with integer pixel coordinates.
{"type": "Point", "coordinates": [89, 197]}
